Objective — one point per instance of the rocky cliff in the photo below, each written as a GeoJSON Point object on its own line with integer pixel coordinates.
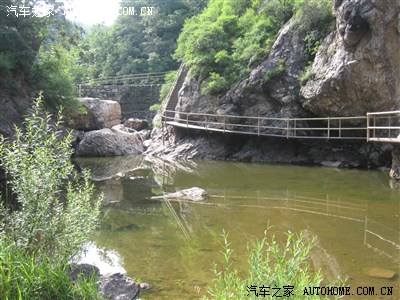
{"type": "Point", "coordinates": [356, 70]}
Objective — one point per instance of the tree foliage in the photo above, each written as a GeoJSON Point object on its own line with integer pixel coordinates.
{"type": "Point", "coordinates": [33, 50]}
{"type": "Point", "coordinates": [139, 43]}
{"type": "Point", "coordinates": [40, 173]}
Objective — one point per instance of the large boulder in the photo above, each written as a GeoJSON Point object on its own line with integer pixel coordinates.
{"type": "Point", "coordinates": [109, 142]}
{"type": "Point", "coordinates": [357, 67]}
{"type": "Point", "coordinates": [98, 114]}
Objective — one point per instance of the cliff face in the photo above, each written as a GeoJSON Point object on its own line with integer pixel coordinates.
{"type": "Point", "coordinates": [13, 106]}
{"type": "Point", "coordinates": [356, 70]}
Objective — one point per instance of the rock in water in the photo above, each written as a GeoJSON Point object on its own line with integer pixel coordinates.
{"type": "Point", "coordinates": [118, 287]}
{"type": "Point", "coordinates": [379, 273]}
{"type": "Point", "coordinates": [193, 194]}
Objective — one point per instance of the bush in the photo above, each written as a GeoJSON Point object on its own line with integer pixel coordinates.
{"type": "Point", "coordinates": [270, 264]}
{"type": "Point", "coordinates": [215, 85]}
{"type": "Point", "coordinates": [274, 72]}
{"type": "Point", "coordinates": [56, 215]}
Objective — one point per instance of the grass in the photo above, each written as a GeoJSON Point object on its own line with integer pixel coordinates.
{"type": "Point", "coordinates": [273, 270]}
{"type": "Point", "coordinates": [25, 277]}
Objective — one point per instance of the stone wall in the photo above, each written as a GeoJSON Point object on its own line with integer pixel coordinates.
{"type": "Point", "coordinates": [135, 100]}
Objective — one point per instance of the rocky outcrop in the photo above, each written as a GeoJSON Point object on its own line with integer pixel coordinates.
{"type": "Point", "coordinates": [13, 106]}
{"type": "Point", "coordinates": [98, 114]}
{"type": "Point", "coordinates": [109, 142]}
{"type": "Point", "coordinates": [357, 67]}
{"type": "Point", "coordinates": [271, 90]}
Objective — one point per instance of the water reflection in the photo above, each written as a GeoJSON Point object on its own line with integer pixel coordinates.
{"type": "Point", "coordinates": [171, 244]}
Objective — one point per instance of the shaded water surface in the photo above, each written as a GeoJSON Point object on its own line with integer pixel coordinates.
{"type": "Point", "coordinates": [171, 245]}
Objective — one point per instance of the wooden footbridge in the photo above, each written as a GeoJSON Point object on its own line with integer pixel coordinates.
{"type": "Point", "coordinates": [372, 127]}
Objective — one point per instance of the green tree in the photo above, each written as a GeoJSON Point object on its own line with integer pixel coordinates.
{"type": "Point", "coordinates": [38, 164]}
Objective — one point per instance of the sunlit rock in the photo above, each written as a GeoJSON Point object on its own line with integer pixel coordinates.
{"type": "Point", "coordinates": [107, 142]}
{"type": "Point", "coordinates": [356, 69]}
{"type": "Point", "coordinates": [98, 114]}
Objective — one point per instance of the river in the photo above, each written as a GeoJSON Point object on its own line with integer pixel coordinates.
{"type": "Point", "coordinates": [172, 244]}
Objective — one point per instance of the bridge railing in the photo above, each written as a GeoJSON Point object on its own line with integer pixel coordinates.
{"type": "Point", "coordinates": [310, 128]}
{"type": "Point", "coordinates": [383, 126]}
{"type": "Point", "coordinates": [143, 78]}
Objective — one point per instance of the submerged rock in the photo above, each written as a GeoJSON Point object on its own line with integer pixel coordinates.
{"type": "Point", "coordinates": [379, 273]}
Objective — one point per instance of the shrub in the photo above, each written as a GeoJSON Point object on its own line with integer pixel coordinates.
{"type": "Point", "coordinates": [275, 72]}
{"type": "Point", "coordinates": [56, 215]}
{"type": "Point", "coordinates": [214, 85]}
{"type": "Point", "coordinates": [270, 264]}
{"type": "Point", "coordinates": [306, 75]}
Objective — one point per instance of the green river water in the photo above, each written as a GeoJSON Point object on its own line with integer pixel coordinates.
{"type": "Point", "coordinates": [172, 245]}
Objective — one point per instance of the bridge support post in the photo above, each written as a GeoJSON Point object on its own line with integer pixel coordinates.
{"type": "Point", "coordinates": [287, 128]}
{"type": "Point", "coordinates": [224, 123]}
{"type": "Point", "coordinates": [329, 128]}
